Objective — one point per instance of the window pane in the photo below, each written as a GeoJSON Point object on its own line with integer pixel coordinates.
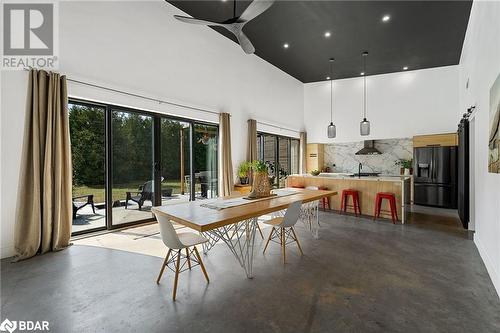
{"type": "Point", "coordinates": [132, 152]}
{"type": "Point", "coordinates": [88, 152]}
{"type": "Point", "coordinates": [270, 155]}
{"type": "Point", "coordinates": [294, 156]}
{"type": "Point", "coordinates": [205, 160]}
{"type": "Point", "coordinates": [284, 163]}
{"type": "Point", "coordinates": [174, 161]}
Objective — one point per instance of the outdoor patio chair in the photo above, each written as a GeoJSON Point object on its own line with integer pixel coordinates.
{"type": "Point", "coordinates": [79, 204]}
{"type": "Point", "coordinates": [144, 193]}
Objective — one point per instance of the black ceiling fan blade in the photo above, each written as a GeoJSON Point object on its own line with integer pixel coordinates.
{"type": "Point", "coordinates": [256, 8]}
{"type": "Point", "coordinates": [192, 20]}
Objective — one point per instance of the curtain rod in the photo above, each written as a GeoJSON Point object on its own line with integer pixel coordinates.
{"type": "Point", "coordinates": [279, 127]}
{"type": "Point", "coordinates": [159, 101]}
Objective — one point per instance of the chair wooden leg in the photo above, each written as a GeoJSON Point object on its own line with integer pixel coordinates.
{"type": "Point", "coordinates": [188, 260]}
{"type": "Point", "coordinates": [163, 266]}
{"type": "Point", "coordinates": [201, 264]}
{"type": "Point", "coordinates": [297, 240]}
{"type": "Point", "coordinates": [283, 244]}
{"type": "Point", "coordinates": [268, 239]}
{"type": "Point", "coordinates": [177, 267]}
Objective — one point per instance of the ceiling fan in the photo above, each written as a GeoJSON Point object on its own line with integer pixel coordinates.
{"type": "Point", "coordinates": [236, 23]}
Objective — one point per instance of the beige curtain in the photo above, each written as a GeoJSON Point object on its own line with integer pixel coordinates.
{"type": "Point", "coordinates": [225, 162]}
{"type": "Point", "coordinates": [303, 149]}
{"type": "Point", "coordinates": [43, 219]}
{"type": "Point", "coordinates": [252, 144]}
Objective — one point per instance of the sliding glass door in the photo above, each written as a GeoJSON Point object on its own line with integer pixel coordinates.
{"type": "Point", "coordinates": [132, 166]}
{"type": "Point", "coordinates": [281, 154]}
{"type": "Point", "coordinates": [205, 160]}
{"type": "Point", "coordinates": [87, 125]}
{"type": "Point", "coordinates": [126, 161]}
{"type": "Point", "coordinates": [175, 148]}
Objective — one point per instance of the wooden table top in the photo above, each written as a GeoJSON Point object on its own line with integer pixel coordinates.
{"type": "Point", "coordinates": [193, 215]}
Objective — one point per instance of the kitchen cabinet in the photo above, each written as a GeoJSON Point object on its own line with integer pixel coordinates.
{"type": "Point", "coordinates": [314, 156]}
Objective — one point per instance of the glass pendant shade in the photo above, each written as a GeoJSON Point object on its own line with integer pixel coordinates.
{"type": "Point", "coordinates": [364, 127]}
{"type": "Point", "coordinates": [332, 131]}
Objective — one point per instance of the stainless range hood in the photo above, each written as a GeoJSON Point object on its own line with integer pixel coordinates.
{"type": "Point", "coordinates": [369, 148]}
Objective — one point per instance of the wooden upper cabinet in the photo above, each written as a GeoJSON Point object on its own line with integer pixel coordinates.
{"type": "Point", "coordinates": [445, 139]}
{"type": "Point", "coordinates": [314, 156]}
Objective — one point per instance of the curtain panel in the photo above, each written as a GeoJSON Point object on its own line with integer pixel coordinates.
{"type": "Point", "coordinates": [252, 145]}
{"type": "Point", "coordinates": [44, 204]}
{"type": "Point", "coordinates": [225, 161]}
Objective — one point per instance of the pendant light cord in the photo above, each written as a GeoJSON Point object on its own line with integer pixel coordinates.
{"type": "Point", "coordinates": [234, 9]}
{"type": "Point", "coordinates": [364, 79]}
{"type": "Point", "coordinates": [331, 92]}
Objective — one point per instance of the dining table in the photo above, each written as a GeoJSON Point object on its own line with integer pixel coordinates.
{"type": "Point", "coordinates": [234, 219]}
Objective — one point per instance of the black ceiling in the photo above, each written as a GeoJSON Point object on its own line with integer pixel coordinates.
{"type": "Point", "coordinates": [420, 34]}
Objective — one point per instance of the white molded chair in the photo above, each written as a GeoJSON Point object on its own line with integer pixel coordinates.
{"type": "Point", "coordinates": [176, 243]}
{"type": "Point", "coordinates": [282, 228]}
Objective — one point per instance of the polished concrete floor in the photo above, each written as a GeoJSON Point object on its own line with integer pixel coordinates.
{"type": "Point", "coordinates": [360, 276]}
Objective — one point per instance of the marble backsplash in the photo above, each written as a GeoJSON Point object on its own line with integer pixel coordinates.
{"type": "Point", "coordinates": [345, 160]}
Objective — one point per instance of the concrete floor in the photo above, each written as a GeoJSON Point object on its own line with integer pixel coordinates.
{"type": "Point", "coordinates": [360, 276]}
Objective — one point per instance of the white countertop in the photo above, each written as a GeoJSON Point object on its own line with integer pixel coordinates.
{"type": "Point", "coordinates": [346, 176]}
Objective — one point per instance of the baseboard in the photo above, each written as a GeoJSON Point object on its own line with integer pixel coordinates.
{"type": "Point", "coordinates": [494, 276]}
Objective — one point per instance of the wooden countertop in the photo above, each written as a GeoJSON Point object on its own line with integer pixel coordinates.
{"type": "Point", "coordinates": [341, 177]}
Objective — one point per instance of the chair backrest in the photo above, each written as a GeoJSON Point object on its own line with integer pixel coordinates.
{"type": "Point", "coordinates": [292, 214]}
{"type": "Point", "coordinates": [147, 187]}
{"type": "Point", "coordinates": [167, 232]}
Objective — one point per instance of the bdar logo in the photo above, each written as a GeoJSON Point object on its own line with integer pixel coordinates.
{"type": "Point", "coordinates": [8, 326]}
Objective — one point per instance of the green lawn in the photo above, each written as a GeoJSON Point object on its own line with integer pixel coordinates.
{"type": "Point", "coordinates": [120, 190]}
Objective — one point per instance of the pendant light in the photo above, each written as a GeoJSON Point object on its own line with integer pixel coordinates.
{"type": "Point", "coordinates": [332, 130]}
{"type": "Point", "coordinates": [364, 125]}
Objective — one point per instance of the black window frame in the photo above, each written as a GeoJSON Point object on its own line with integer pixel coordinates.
{"type": "Point", "coordinates": [157, 117]}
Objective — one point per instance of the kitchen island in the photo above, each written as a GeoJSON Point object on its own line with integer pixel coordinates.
{"type": "Point", "coordinates": [366, 186]}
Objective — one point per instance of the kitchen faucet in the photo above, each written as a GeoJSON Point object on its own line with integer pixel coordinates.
{"type": "Point", "coordinates": [360, 166]}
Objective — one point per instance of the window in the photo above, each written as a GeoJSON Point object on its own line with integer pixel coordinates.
{"type": "Point", "coordinates": [281, 154]}
{"type": "Point", "coordinates": [126, 161]}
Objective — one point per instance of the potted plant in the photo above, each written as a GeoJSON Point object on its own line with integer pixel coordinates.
{"type": "Point", "coordinates": [406, 166]}
{"type": "Point", "coordinates": [243, 171]}
{"type": "Point", "coordinates": [260, 187]}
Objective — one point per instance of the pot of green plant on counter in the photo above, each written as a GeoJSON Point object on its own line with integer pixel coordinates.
{"type": "Point", "coordinates": [405, 166]}
{"type": "Point", "coordinates": [243, 172]}
{"type": "Point", "coordinates": [260, 186]}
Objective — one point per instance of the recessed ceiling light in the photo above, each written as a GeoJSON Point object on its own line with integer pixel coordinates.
{"type": "Point", "coordinates": [405, 68]}
{"type": "Point", "coordinates": [362, 73]}
{"type": "Point", "coordinates": [386, 18]}
{"type": "Point", "coordinates": [327, 34]}
{"type": "Point", "coordinates": [328, 78]}
{"type": "Point", "coordinates": [286, 45]}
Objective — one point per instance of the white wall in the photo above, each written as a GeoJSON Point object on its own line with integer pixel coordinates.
{"type": "Point", "coordinates": [480, 64]}
{"type": "Point", "coordinates": [398, 105]}
{"type": "Point", "coordinates": [141, 48]}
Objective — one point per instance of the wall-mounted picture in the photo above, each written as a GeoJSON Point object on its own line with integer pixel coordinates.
{"type": "Point", "coordinates": [494, 138]}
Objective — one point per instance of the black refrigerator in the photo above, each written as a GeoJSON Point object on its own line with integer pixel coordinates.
{"type": "Point", "coordinates": [435, 176]}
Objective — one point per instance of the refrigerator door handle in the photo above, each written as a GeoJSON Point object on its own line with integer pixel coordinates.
{"type": "Point", "coordinates": [431, 171]}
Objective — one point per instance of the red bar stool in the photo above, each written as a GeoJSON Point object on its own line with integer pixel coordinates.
{"type": "Point", "coordinates": [392, 203]}
{"type": "Point", "coordinates": [355, 201]}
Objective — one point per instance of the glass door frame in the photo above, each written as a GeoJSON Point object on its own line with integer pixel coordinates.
{"type": "Point", "coordinates": [156, 149]}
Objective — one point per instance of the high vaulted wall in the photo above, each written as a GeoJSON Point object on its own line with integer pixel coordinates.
{"type": "Point", "coordinates": [479, 67]}
{"type": "Point", "coordinates": [139, 47]}
{"type": "Point", "coordinates": [399, 105]}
